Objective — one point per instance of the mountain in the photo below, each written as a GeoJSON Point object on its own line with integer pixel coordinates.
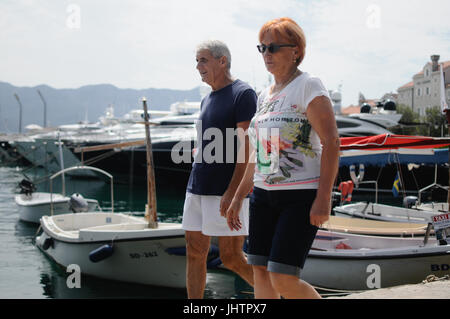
{"type": "Point", "coordinates": [69, 106]}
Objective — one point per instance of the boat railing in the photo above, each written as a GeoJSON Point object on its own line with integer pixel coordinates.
{"type": "Point", "coordinates": [376, 188]}
{"type": "Point", "coordinates": [73, 168]}
{"type": "Point", "coordinates": [434, 184]}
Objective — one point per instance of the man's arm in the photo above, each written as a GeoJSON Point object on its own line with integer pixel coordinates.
{"type": "Point", "coordinates": [239, 170]}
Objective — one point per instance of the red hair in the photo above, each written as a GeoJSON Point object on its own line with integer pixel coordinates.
{"type": "Point", "coordinates": [286, 29]}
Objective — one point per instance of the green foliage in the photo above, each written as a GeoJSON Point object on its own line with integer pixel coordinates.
{"type": "Point", "coordinates": [432, 124]}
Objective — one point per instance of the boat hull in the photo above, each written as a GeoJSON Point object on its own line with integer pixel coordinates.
{"type": "Point", "coordinates": [141, 261]}
{"type": "Point", "coordinates": [370, 273]}
{"type": "Point", "coordinates": [357, 262]}
{"type": "Point", "coordinates": [137, 254]}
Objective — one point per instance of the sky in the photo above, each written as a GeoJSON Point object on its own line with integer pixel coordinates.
{"type": "Point", "coordinates": [373, 47]}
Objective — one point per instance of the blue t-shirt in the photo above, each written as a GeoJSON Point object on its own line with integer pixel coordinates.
{"type": "Point", "coordinates": [216, 154]}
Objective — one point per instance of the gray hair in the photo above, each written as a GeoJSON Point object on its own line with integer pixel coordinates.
{"type": "Point", "coordinates": [217, 48]}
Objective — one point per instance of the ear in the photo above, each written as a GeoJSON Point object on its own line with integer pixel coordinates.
{"type": "Point", "coordinates": [223, 61]}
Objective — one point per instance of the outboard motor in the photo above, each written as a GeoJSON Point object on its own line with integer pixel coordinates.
{"type": "Point", "coordinates": [78, 204]}
{"type": "Point", "coordinates": [335, 201]}
{"type": "Point", "coordinates": [26, 187]}
{"type": "Point", "coordinates": [409, 201]}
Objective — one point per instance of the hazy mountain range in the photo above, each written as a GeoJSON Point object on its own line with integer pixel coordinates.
{"type": "Point", "coordinates": [69, 106]}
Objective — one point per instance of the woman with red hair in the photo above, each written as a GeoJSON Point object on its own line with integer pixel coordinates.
{"type": "Point", "coordinates": [296, 154]}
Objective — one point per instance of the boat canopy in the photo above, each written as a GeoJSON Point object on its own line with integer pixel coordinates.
{"type": "Point", "coordinates": [389, 149]}
{"type": "Point", "coordinates": [396, 156]}
{"type": "Point", "coordinates": [391, 141]}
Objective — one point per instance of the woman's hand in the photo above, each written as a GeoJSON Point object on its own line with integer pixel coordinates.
{"type": "Point", "coordinates": [232, 214]}
{"type": "Point", "coordinates": [320, 211]}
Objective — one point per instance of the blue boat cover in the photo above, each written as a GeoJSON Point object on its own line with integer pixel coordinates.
{"type": "Point", "coordinates": [439, 157]}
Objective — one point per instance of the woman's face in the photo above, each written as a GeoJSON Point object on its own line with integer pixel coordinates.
{"type": "Point", "coordinates": [282, 61]}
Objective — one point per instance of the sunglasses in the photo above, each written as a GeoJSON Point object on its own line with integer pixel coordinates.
{"type": "Point", "coordinates": [273, 48]}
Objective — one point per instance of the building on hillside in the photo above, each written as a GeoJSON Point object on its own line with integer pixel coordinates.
{"type": "Point", "coordinates": [424, 91]}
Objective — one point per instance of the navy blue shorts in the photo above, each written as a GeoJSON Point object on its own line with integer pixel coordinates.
{"type": "Point", "coordinates": [280, 232]}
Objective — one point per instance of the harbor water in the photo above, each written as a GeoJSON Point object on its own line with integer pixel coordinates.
{"type": "Point", "coordinates": [25, 272]}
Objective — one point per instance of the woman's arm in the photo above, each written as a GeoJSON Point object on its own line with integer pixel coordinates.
{"type": "Point", "coordinates": [321, 116]}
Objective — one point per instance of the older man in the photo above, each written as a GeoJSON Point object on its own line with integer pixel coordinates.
{"type": "Point", "coordinates": [214, 178]}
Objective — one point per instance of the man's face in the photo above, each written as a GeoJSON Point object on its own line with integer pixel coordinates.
{"type": "Point", "coordinates": [209, 67]}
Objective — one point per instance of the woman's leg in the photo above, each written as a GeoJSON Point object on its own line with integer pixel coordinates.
{"type": "Point", "coordinates": [291, 287]}
{"type": "Point", "coordinates": [262, 284]}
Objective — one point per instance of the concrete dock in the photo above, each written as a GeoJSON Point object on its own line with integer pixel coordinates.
{"type": "Point", "coordinates": [437, 289]}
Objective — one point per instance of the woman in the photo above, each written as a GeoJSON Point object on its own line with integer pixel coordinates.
{"type": "Point", "coordinates": [296, 154]}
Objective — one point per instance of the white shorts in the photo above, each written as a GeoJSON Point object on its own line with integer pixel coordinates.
{"type": "Point", "coordinates": [202, 213]}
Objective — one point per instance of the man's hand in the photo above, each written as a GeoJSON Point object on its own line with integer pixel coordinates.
{"type": "Point", "coordinates": [225, 202]}
{"type": "Point", "coordinates": [232, 214]}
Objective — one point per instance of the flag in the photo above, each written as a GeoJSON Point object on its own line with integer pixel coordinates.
{"type": "Point", "coordinates": [396, 186]}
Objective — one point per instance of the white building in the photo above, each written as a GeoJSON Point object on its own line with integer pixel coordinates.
{"type": "Point", "coordinates": [424, 90]}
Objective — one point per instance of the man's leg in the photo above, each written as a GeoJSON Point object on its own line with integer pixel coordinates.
{"type": "Point", "coordinates": [197, 247]}
{"type": "Point", "coordinates": [233, 257]}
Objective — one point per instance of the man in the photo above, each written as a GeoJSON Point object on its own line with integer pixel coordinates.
{"type": "Point", "coordinates": [214, 178]}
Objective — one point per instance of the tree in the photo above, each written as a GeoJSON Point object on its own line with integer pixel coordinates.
{"type": "Point", "coordinates": [409, 123]}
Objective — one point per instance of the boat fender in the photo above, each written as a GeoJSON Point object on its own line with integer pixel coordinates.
{"type": "Point", "coordinates": [48, 242]}
{"type": "Point", "coordinates": [357, 179]}
{"type": "Point", "coordinates": [101, 253]}
{"type": "Point", "coordinates": [177, 251]}
{"type": "Point", "coordinates": [343, 187]}
{"type": "Point", "coordinates": [214, 263]}
{"type": "Point", "coordinates": [350, 191]}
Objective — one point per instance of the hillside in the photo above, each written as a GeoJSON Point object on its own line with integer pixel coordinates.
{"type": "Point", "coordinates": [67, 106]}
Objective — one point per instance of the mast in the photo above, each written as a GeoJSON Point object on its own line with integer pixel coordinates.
{"type": "Point", "coordinates": [20, 112]}
{"type": "Point", "coordinates": [45, 107]}
{"type": "Point", "coordinates": [150, 208]}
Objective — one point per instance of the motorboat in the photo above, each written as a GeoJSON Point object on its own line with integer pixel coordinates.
{"type": "Point", "coordinates": [387, 213]}
{"type": "Point", "coordinates": [33, 205]}
{"type": "Point", "coordinates": [354, 262]}
{"type": "Point", "coordinates": [116, 246]}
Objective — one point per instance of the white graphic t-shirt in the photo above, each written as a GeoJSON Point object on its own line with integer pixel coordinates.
{"type": "Point", "coordinates": [288, 150]}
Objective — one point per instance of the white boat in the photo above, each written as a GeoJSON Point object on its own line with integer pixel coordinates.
{"type": "Point", "coordinates": [33, 205]}
{"type": "Point", "coordinates": [388, 213]}
{"type": "Point", "coordinates": [117, 247]}
{"type": "Point", "coordinates": [357, 262]}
